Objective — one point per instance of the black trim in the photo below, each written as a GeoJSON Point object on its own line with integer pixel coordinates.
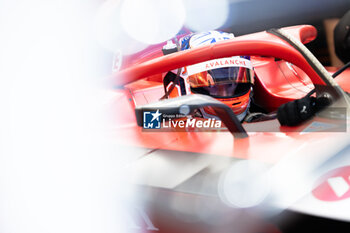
{"type": "Point", "coordinates": [347, 65]}
{"type": "Point", "coordinates": [170, 77]}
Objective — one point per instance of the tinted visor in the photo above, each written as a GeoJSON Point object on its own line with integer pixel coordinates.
{"type": "Point", "coordinates": [231, 71]}
{"type": "Point", "coordinates": [224, 90]}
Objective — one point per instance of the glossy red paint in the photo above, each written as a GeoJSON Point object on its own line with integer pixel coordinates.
{"type": "Point", "coordinates": [275, 84]}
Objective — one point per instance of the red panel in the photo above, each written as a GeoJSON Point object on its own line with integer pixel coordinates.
{"type": "Point", "coordinates": [144, 91]}
{"type": "Point", "coordinates": [278, 82]}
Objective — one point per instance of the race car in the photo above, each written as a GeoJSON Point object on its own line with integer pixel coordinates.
{"type": "Point", "coordinates": [290, 159]}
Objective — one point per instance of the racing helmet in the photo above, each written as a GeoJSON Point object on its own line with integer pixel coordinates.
{"type": "Point", "coordinates": [226, 79]}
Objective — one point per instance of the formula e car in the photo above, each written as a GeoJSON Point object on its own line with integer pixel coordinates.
{"type": "Point", "coordinates": [268, 175]}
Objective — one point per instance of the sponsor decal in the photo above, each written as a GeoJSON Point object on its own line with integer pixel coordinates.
{"type": "Point", "coordinates": [219, 63]}
{"type": "Point", "coordinates": [334, 185]}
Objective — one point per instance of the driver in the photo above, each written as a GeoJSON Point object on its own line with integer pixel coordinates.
{"type": "Point", "coordinates": [226, 79]}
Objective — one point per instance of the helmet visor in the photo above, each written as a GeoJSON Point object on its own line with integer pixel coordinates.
{"type": "Point", "coordinates": [231, 71]}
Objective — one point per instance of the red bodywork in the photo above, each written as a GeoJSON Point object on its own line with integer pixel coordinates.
{"type": "Point", "coordinates": [276, 82]}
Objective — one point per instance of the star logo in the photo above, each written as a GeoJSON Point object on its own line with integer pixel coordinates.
{"type": "Point", "coordinates": [155, 115]}
{"type": "Point", "coordinates": [151, 120]}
